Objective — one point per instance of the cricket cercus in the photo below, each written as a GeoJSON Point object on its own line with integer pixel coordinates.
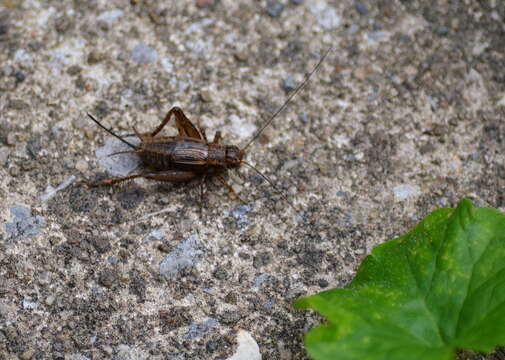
{"type": "Point", "coordinates": [189, 155]}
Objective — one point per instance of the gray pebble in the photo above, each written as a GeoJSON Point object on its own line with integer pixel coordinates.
{"type": "Point", "coordinates": [230, 298]}
{"type": "Point", "coordinates": [326, 15]}
{"type": "Point", "coordinates": [4, 29]}
{"type": "Point", "coordinates": [94, 57]}
{"type": "Point", "coordinates": [50, 300]}
{"type": "Point", "coordinates": [108, 350]}
{"type": "Point", "coordinates": [11, 138]}
{"type": "Point", "coordinates": [441, 30]}
{"type": "Point", "coordinates": [17, 104]}
{"type": "Point", "coordinates": [81, 165]}
{"type": "Point", "coordinates": [376, 35]}
{"type": "Point", "coordinates": [4, 155]}
{"type": "Point", "coordinates": [19, 76]}
{"type": "Point", "coordinates": [33, 147]}
{"type": "Point", "coordinates": [198, 329]}
{"type": "Point", "coordinates": [304, 118]}
{"type": "Point", "coordinates": [185, 255]}
{"type": "Point", "coordinates": [361, 8]}
{"type": "Point", "coordinates": [117, 165]}
{"type": "Point", "coordinates": [14, 171]}
{"type": "Point", "coordinates": [220, 274]}
{"type": "Point", "coordinates": [143, 54]}
{"type": "Point", "coordinates": [322, 283]}
{"type": "Point", "coordinates": [296, 2]}
{"type": "Point", "coordinates": [28, 354]}
{"type": "Point", "coordinates": [101, 244]}
{"type": "Point", "coordinates": [289, 84]}
{"type": "Point", "coordinates": [274, 8]}
{"type": "Point", "coordinates": [35, 45]}
{"type": "Point", "coordinates": [230, 317]}
{"type": "Point", "coordinates": [74, 70]}
{"type": "Point", "coordinates": [108, 278]}
{"type": "Point", "coordinates": [262, 259]}
{"type": "Point", "coordinates": [23, 224]}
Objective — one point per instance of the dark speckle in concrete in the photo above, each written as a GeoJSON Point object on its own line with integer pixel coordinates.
{"type": "Point", "coordinates": [33, 147]}
{"type": "Point", "coordinates": [108, 278]}
{"type": "Point", "coordinates": [175, 317]}
{"type": "Point", "coordinates": [19, 76]}
{"type": "Point", "coordinates": [130, 196]}
{"type": "Point", "coordinates": [101, 244]}
{"type": "Point", "coordinates": [18, 104]}
{"type": "Point", "coordinates": [230, 317]}
{"type": "Point", "coordinates": [82, 199]}
{"type": "Point", "coordinates": [220, 273]}
{"type": "Point", "coordinates": [102, 109]}
{"type": "Point", "coordinates": [137, 285]}
{"type": "Point", "coordinates": [262, 259]}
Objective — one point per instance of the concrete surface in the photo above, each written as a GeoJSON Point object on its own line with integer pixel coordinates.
{"type": "Point", "coordinates": [404, 116]}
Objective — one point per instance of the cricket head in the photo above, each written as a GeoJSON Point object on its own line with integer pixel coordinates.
{"type": "Point", "coordinates": [233, 156]}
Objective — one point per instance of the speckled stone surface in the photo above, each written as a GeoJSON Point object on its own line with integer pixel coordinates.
{"type": "Point", "coordinates": [405, 115]}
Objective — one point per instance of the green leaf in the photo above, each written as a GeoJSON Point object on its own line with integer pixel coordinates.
{"type": "Point", "coordinates": [421, 296]}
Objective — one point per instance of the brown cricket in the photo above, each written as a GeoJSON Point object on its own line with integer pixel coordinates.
{"type": "Point", "coordinates": [190, 155]}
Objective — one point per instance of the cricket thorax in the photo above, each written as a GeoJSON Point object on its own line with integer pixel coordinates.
{"type": "Point", "coordinates": [233, 156]}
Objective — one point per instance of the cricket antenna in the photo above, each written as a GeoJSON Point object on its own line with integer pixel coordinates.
{"type": "Point", "coordinates": [260, 174]}
{"type": "Point", "coordinates": [280, 192]}
{"type": "Point", "coordinates": [110, 132]}
{"type": "Point", "coordinates": [286, 103]}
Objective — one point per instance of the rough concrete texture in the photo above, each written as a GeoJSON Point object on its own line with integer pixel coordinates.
{"type": "Point", "coordinates": [404, 116]}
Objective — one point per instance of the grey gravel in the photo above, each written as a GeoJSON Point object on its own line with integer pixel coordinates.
{"type": "Point", "coordinates": [23, 224]}
{"type": "Point", "coordinates": [183, 256]}
{"type": "Point", "coordinates": [121, 164]}
{"type": "Point", "coordinates": [361, 8]}
{"type": "Point", "coordinates": [143, 54]}
{"type": "Point", "coordinates": [274, 8]}
{"type": "Point", "coordinates": [289, 84]}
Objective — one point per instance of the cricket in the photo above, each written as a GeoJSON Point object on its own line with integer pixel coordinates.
{"type": "Point", "coordinates": [189, 155]}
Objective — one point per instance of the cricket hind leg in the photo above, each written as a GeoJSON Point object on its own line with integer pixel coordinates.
{"type": "Point", "coordinates": [168, 176]}
{"type": "Point", "coordinates": [184, 125]}
{"type": "Point", "coordinates": [217, 137]}
{"type": "Point", "coordinates": [109, 181]}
